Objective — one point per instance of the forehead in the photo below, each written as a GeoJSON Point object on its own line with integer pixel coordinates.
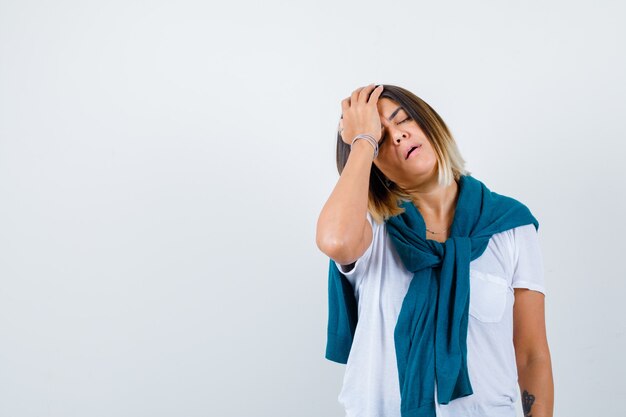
{"type": "Point", "coordinates": [388, 108]}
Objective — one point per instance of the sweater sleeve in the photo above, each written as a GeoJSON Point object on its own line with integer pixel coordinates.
{"type": "Point", "coordinates": [528, 270]}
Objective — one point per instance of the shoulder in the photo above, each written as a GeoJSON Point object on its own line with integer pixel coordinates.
{"type": "Point", "coordinates": [517, 234]}
{"type": "Point", "coordinates": [506, 205]}
{"type": "Point", "coordinates": [521, 236]}
{"type": "Point", "coordinates": [525, 234]}
{"type": "Point", "coordinates": [507, 245]}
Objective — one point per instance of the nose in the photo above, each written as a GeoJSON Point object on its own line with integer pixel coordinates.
{"type": "Point", "coordinates": [399, 135]}
{"type": "Point", "coordinates": [395, 132]}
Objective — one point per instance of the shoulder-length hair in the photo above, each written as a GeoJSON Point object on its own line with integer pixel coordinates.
{"type": "Point", "coordinates": [384, 196]}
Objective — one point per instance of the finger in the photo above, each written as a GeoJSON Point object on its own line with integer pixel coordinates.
{"type": "Point", "coordinates": [375, 94]}
{"type": "Point", "coordinates": [365, 92]}
{"type": "Point", "coordinates": [357, 90]}
{"type": "Point", "coordinates": [345, 105]}
{"type": "Point", "coordinates": [354, 98]}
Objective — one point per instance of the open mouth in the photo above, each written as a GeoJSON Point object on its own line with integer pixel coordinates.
{"type": "Point", "coordinates": [411, 150]}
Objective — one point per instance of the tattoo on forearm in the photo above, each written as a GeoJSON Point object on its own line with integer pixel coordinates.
{"type": "Point", "coordinates": [527, 402]}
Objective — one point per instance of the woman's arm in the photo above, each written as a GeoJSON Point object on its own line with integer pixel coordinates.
{"type": "Point", "coordinates": [532, 354]}
{"type": "Point", "coordinates": [343, 232]}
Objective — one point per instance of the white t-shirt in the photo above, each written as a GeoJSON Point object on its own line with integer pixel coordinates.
{"type": "Point", "coordinates": [370, 388]}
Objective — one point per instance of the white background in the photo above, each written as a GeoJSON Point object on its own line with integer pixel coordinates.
{"type": "Point", "coordinates": [163, 164]}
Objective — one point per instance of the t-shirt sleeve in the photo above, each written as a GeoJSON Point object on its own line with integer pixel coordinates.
{"type": "Point", "coordinates": [350, 271]}
{"type": "Point", "coordinates": [528, 269]}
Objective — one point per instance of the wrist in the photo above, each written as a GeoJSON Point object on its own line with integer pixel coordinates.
{"type": "Point", "coordinates": [372, 143]}
{"type": "Point", "coordinates": [362, 146]}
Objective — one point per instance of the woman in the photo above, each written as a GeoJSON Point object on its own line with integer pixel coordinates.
{"type": "Point", "coordinates": [436, 287]}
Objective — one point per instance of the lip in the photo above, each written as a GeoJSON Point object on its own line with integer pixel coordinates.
{"type": "Point", "coordinates": [412, 153]}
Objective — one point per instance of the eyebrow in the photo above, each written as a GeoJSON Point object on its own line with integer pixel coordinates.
{"type": "Point", "coordinates": [394, 113]}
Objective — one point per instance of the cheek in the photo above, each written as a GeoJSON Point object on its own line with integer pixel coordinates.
{"type": "Point", "coordinates": [431, 153]}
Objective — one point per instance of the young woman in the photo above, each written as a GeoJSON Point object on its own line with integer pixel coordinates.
{"type": "Point", "coordinates": [436, 283]}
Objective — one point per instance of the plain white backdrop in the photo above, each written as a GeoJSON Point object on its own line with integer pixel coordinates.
{"type": "Point", "coordinates": [163, 164]}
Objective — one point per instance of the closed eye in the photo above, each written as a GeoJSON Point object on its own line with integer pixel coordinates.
{"type": "Point", "coordinates": [384, 137]}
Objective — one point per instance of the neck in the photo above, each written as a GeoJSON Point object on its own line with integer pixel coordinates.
{"type": "Point", "coordinates": [435, 201]}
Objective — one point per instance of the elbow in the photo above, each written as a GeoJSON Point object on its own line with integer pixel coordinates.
{"type": "Point", "coordinates": [540, 354]}
{"type": "Point", "coordinates": [336, 249]}
{"type": "Point", "coordinates": [330, 245]}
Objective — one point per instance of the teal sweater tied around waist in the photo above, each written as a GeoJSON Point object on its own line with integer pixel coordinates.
{"type": "Point", "coordinates": [430, 335]}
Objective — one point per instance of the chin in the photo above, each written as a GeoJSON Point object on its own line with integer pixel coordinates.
{"type": "Point", "coordinates": [423, 169]}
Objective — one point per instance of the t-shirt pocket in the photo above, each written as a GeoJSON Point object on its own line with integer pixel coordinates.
{"type": "Point", "coordinates": [487, 296]}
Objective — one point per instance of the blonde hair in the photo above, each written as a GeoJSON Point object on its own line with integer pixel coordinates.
{"type": "Point", "coordinates": [384, 197]}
